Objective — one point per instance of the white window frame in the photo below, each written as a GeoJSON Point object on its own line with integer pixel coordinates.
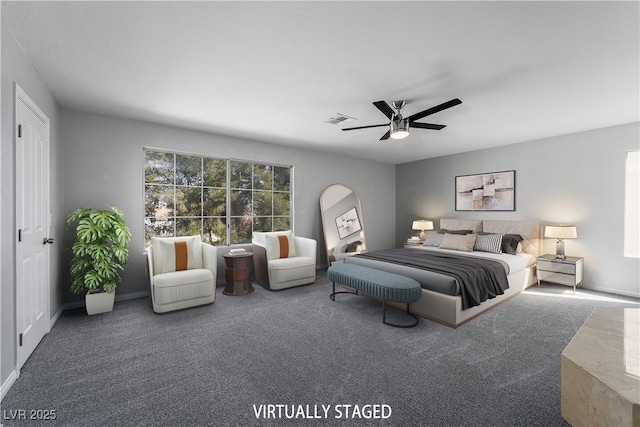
{"type": "Point", "coordinates": [229, 216]}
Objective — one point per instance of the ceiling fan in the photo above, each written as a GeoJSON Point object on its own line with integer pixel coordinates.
{"type": "Point", "coordinates": [399, 126]}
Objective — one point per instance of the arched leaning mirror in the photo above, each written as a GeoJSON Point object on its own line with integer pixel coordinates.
{"type": "Point", "coordinates": [342, 223]}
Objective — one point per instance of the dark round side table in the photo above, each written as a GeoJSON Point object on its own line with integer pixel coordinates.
{"type": "Point", "coordinates": [238, 273]}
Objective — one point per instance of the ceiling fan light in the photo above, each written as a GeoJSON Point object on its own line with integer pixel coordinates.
{"type": "Point", "coordinates": [399, 129]}
{"type": "Point", "coordinates": [400, 134]}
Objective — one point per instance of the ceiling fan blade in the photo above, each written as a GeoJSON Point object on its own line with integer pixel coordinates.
{"type": "Point", "coordinates": [385, 108]}
{"type": "Point", "coordinates": [386, 135]}
{"type": "Point", "coordinates": [365, 127]}
{"type": "Point", "coordinates": [426, 126]}
{"type": "Point", "coordinates": [433, 110]}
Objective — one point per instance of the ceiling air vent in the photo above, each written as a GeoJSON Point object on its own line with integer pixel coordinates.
{"type": "Point", "coordinates": [339, 119]}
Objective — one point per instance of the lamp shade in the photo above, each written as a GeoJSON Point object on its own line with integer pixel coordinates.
{"type": "Point", "coordinates": [422, 224]}
{"type": "Point", "coordinates": [561, 231]}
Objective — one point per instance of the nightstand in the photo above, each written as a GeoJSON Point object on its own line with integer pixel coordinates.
{"type": "Point", "coordinates": [561, 271]}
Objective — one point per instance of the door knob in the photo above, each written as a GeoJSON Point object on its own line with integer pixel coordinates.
{"type": "Point", "coordinates": [49, 240]}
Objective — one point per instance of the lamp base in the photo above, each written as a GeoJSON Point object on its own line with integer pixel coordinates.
{"type": "Point", "coordinates": [423, 235]}
{"type": "Point", "coordinates": [560, 250]}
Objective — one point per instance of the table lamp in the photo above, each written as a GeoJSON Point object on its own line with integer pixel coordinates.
{"type": "Point", "coordinates": [560, 232]}
{"type": "Point", "coordinates": [422, 225]}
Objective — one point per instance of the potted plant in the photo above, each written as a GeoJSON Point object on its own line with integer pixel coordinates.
{"type": "Point", "coordinates": [100, 250]}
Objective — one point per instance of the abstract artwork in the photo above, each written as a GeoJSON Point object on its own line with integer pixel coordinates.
{"type": "Point", "coordinates": [494, 191]}
{"type": "Point", "coordinates": [348, 223]}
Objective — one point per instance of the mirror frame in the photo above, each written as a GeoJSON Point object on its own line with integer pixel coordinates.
{"type": "Point", "coordinates": [330, 222]}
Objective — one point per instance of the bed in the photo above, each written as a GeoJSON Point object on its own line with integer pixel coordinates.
{"type": "Point", "coordinates": [442, 297]}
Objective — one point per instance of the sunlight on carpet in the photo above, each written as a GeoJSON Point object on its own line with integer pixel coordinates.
{"type": "Point", "coordinates": [581, 294]}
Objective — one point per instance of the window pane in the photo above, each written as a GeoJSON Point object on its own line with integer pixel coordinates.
{"type": "Point", "coordinates": [262, 203]}
{"type": "Point", "coordinates": [240, 230]}
{"type": "Point", "coordinates": [188, 226]}
{"type": "Point", "coordinates": [158, 167]}
{"type": "Point", "coordinates": [188, 201]}
{"type": "Point", "coordinates": [157, 228]}
{"type": "Point", "coordinates": [214, 231]}
{"type": "Point", "coordinates": [263, 224]}
{"type": "Point", "coordinates": [214, 202]}
{"type": "Point", "coordinates": [262, 177]}
{"type": "Point", "coordinates": [241, 203]}
{"type": "Point", "coordinates": [632, 206]}
{"type": "Point", "coordinates": [281, 204]}
{"type": "Point", "coordinates": [189, 195]}
{"type": "Point", "coordinates": [281, 224]}
{"type": "Point", "coordinates": [215, 172]}
{"type": "Point", "coordinates": [240, 174]}
{"type": "Point", "coordinates": [158, 201]}
{"type": "Point", "coordinates": [188, 170]}
{"type": "Point", "coordinates": [282, 178]}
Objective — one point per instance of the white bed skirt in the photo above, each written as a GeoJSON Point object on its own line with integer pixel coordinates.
{"type": "Point", "coordinates": [447, 309]}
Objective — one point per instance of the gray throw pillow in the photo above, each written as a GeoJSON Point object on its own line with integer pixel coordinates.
{"type": "Point", "coordinates": [445, 231]}
{"type": "Point", "coordinates": [510, 243]}
{"type": "Point", "coordinates": [433, 239]}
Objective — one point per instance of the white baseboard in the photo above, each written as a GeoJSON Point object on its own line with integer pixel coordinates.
{"type": "Point", "coordinates": [119, 297]}
{"type": "Point", "coordinates": [13, 376]}
{"type": "Point", "coordinates": [55, 317]}
{"type": "Point", "coordinates": [72, 305]}
{"type": "Point", "coordinates": [7, 384]}
{"type": "Point", "coordinates": [614, 291]}
{"type": "Point", "coordinates": [132, 295]}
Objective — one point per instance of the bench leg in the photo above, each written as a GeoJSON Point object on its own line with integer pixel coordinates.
{"type": "Point", "coordinates": [395, 325]}
{"type": "Point", "coordinates": [333, 294]}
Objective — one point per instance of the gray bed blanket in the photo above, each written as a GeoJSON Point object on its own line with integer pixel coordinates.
{"type": "Point", "coordinates": [478, 279]}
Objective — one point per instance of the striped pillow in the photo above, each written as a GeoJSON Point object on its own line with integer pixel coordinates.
{"type": "Point", "coordinates": [280, 246]}
{"type": "Point", "coordinates": [489, 243]}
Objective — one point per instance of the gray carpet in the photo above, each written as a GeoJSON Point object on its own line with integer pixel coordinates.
{"type": "Point", "coordinates": [209, 366]}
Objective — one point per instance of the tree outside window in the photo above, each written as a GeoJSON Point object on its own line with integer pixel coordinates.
{"type": "Point", "coordinates": [190, 194]}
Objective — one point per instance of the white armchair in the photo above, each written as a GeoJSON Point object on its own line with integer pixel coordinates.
{"type": "Point", "coordinates": [282, 260]}
{"type": "Point", "coordinates": [182, 272]}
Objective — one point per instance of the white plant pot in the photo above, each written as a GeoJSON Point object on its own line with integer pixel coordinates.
{"type": "Point", "coordinates": [99, 302]}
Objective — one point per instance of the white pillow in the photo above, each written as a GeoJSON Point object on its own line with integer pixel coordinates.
{"type": "Point", "coordinates": [280, 245]}
{"type": "Point", "coordinates": [459, 242]}
{"type": "Point", "coordinates": [164, 253]}
{"type": "Point", "coordinates": [339, 249]}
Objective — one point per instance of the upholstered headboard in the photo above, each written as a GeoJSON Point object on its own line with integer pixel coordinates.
{"type": "Point", "coordinates": [529, 230]}
{"type": "Point", "coordinates": [474, 225]}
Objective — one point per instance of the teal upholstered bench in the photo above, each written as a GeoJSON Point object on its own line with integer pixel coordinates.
{"type": "Point", "coordinates": [381, 284]}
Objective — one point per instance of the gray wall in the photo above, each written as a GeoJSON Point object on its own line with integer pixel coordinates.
{"type": "Point", "coordinates": [103, 164]}
{"type": "Point", "coordinates": [16, 68]}
{"type": "Point", "coordinates": [572, 179]}
{"type": "Point", "coordinates": [100, 162]}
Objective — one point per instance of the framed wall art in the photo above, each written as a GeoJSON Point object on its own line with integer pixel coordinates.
{"type": "Point", "coordinates": [495, 191]}
{"type": "Point", "coordinates": [348, 223]}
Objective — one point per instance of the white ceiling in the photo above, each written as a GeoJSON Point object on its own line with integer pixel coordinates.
{"type": "Point", "coordinates": [274, 71]}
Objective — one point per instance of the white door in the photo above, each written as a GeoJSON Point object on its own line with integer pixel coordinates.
{"type": "Point", "coordinates": [32, 220]}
